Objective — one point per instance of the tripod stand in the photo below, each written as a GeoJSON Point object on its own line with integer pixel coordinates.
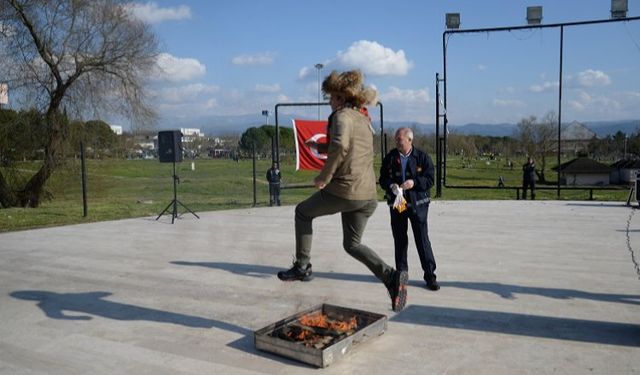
{"type": "Point", "coordinates": [175, 200]}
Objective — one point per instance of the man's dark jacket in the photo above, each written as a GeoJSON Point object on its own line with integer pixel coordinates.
{"type": "Point", "coordinates": [419, 169]}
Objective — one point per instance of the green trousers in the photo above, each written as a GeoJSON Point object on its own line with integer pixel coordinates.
{"type": "Point", "coordinates": [355, 214]}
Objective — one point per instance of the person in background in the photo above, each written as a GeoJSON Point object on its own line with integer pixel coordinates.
{"type": "Point", "coordinates": [346, 185]}
{"type": "Point", "coordinates": [408, 173]}
{"type": "Point", "coordinates": [529, 178]}
{"type": "Point", "coordinates": [274, 177]}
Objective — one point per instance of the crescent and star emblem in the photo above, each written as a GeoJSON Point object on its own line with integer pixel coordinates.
{"type": "Point", "coordinates": [314, 150]}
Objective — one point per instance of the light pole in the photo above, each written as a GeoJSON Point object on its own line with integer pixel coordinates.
{"type": "Point", "coordinates": [265, 113]}
{"type": "Point", "coordinates": [319, 68]}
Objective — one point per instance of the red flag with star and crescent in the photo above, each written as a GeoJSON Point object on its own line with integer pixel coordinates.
{"type": "Point", "coordinates": [305, 132]}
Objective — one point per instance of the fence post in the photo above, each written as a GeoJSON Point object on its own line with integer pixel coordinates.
{"type": "Point", "coordinates": [253, 151]}
{"type": "Point", "coordinates": [83, 167]}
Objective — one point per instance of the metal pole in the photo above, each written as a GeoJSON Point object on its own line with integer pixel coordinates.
{"type": "Point", "coordinates": [174, 214]}
{"type": "Point", "coordinates": [560, 107]}
{"type": "Point", "coordinates": [383, 146]}
{"type": "Point", "coordinates": [319, 67]}
{"type": "Point", "coordinates": [277, 156]}
{"type": "Point", "coordinates": [438, 171]}
{"type": "Point", "coordinates": [443, 149]}
{"type": "Point", "coordinates": [253, 151]}
{"type": "Point", "coordinates": [84, 181]}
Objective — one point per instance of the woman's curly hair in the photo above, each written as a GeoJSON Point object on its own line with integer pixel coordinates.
{"type": "Point", "coordinates": [350, 84]}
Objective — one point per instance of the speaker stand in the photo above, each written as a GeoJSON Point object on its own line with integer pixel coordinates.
{"type": "Point", "coordinates": [175, 202]}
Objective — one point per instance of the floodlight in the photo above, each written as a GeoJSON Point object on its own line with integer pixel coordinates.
{"type": "Point", "coordinates": [534, 15]}
{"type": "Point", "coordinates": [619, 8]}
{"type": "Point", "coordinates": [453, 20]}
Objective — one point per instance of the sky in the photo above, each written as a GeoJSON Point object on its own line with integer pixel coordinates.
{"type": "Point", "coordinates": [237, 58]}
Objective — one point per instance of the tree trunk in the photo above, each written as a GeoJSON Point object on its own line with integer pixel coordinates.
{"type": "Point", "coordinates": [7, 197]}
{"type": "Point", "coordinates": [33, 192]}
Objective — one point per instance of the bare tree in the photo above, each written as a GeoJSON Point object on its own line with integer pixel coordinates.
{"type": "Point", "coordinates": [525, 134]}
{"type": "Point", "coordinates": [546, 141]}
{"type": "Point", "coordinates": [537, 139]}
{"type": "Point", "coordinates": [87, 56]}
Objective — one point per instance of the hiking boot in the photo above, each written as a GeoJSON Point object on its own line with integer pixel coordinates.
{"type": "Point", "coordinates": [398, 290]}
{"type": "Point", "coordinates": [432, 284]}
{"type": "Point", "coordinates": [296, 273]}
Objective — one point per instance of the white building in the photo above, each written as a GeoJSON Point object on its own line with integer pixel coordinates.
{"type": "Point", "coordinates": [191, 133]}
{"type": "Point", "coordinates": [116, 129]}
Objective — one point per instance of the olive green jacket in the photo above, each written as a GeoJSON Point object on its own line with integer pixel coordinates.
{"type": "Point", "coordinates": [348, 170]}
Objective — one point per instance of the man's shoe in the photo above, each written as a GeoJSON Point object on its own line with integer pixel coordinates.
{"type": "Point", "coordinates": [398, 290]}
{"type": "Point", "coordinates": [432, 284]}
{"type": "Point", "coordinates": [296, 273]}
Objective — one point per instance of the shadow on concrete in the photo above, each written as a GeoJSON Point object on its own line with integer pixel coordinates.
{"type": "Point", "coordinates": [586, 204]}
{"type": "Point", "coordinates": [591, 331]}
{"type": "Point", "coordinates": [57, 305]}
{"type": "Point", "coordinates": [509, 291]}
{"type": "Point", "coordinates": [54, 305]}
{"type": "Point", "coordinates": [263, 272]}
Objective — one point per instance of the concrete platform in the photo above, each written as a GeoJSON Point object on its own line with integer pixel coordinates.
{"type": "Point", "coordinates": [527, 288]}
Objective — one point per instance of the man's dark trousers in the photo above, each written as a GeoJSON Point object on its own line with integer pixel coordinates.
{"type": "Point", "coordinates": [399, 226]}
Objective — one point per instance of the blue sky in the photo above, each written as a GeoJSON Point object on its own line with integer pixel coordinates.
{"type": "Point", "coordinates": [230, 58]}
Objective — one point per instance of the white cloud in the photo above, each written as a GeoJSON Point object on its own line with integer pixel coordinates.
{"type": "Point", "coordinates": [507, 90]}
{"type": "Point", "coordinates": [408, 96]}
{"type": "Point", "coordinates": [593, 104]}
{"type": "Point", "coordinates": [267, 88]}
{"type": "Point", "coordinates": [180, 94]}
{"type": "Point", "coordinates": [174, 69]}
{"type": "Point", "coordinates": [590, 78]}
{"type": "Point", "coordinates": [265, 58]}
{"type": "Point", "coordinates": [407, 104]}
{"type": "Point", "coordinates": [511, 103]}
{"type": "Point", "coordinates": [152, 13]}
{"type": "Point", "coordinates": [545, 87]}
{"type": "Point", "coordinates": [374, 59]}
{"type": "Point", "coordinates": [211, 104]}
{"type": "Point", "coordinates": [480, 67]}
{"type": "Point", "coordinates": [304, 72]}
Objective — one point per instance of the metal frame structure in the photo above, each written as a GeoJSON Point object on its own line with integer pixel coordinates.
{"type": "Point", "coordinates": [441, 150]}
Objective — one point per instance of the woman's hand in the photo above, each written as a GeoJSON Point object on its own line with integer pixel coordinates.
{"type": "Point", "coordinates": [319, 183]}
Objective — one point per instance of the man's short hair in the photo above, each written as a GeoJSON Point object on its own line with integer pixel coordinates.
{"type": "Point", "coordinates": [406, 131]}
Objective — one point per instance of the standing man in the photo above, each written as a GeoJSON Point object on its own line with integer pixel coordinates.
{"type": "Point", "coordinates": [273, 176]}
{"type": "Point", "coordinates": [409, 172]}
{"type": "Point", "coordinates": [346, 185]}
{"type": "Point", "coordinates": [529, 178]}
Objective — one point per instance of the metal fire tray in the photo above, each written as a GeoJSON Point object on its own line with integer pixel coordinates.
{"type": "Point", "coordinates": [370, 325]}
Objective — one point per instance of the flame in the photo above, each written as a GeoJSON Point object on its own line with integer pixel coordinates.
{"type": "Point", "coordinates": [322, 321]}
{"type": "Point", "coordinates": [319, 320]}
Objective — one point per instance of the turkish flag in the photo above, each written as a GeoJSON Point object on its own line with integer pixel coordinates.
{"type": "Point", "coordinates": [308, 157]}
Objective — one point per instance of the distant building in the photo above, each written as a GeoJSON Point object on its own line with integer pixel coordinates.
{"type": "Point", "coordinates": [624, 171]}
{"type": "Point", "coordinates": [116, 129]}
{"type": "Point", "coordinates": [190, 134]}
{"type": "Point", "coordinates": [576, 137]}
{"type": "Point", "coordinates": [583, 171]}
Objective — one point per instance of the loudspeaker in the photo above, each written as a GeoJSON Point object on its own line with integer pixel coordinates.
{"type": "Point", "coordinates": [170, 146]}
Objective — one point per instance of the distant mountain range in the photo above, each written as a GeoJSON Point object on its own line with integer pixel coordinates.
{"type": "Point", "coordinates": [224, 125]}
{"type": "Point", "coordinates": [601, 128]}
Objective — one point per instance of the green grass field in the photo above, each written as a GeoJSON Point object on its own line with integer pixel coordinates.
{"type": "Point", "coordinates": [120, 189]}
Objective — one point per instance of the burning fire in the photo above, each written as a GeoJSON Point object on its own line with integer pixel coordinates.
{"type": "Point", "coordinates": [320, 327]}
{"type": "Point", "coordinates": [323, 321]}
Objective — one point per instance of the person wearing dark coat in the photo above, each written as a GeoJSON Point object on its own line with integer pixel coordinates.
{"type": "Point", "coordinates": [529, 178]}
{"type": "Point", "coordinates": [410, 171]}
{"type": "Point", "coordinates": [273, 177]}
